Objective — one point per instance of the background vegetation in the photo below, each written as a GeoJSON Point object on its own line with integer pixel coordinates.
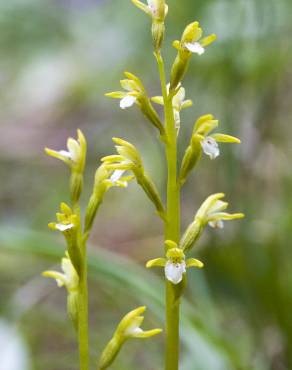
{"type": "Point", "coordinates": [58, 58]}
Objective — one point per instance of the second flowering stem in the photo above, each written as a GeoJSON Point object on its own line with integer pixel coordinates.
{"type": "Point", "coordinates": [172, 225]}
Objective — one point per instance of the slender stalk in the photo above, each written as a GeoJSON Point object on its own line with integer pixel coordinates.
{"type": "Point", "coordinates": [83, 320]}
{"type": "Point", "coordinates": [172, 225]}
{"type": "Point", "coordinates": [83, 338]}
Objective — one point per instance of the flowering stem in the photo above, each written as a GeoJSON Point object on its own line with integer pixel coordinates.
{"type": "Point", "coordinates": [83, 318]}
{"type": "Point", "coordinates": [83, 339]}
{"type": "Point", "coordinates": [172, 225]}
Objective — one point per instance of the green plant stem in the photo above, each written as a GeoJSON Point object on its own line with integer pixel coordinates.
{"type": "Point", "coordinates": [172, 225]}
{"type": "Point", "coordinates": [83, 339]}
{"type": "Point", "coordinates": [83, 318]}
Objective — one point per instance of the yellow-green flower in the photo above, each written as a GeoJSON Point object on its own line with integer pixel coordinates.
{"type": "Point", "coordinates": [135, 93]}
{"type": "Point", "coordinates": [75, 155]}
{"type": "Point", "coordinates": [156, 9]}
{"type": "Point", "coordinates": [209, 142]}
{"type": "Point", "coordinates": [174, 264]}
{"type": "Point", "coordinates": [129, 327]}
{"type": "Point", "coordinates": [210, 212]}
{"type": "Point", "coordinates": [69, 278]}
{"type": "Point", "coordinates": [66, 220]}
{"type": "Point", "coordinates": [178, 102]}
{"type": "Point", "coordinates": [192, 40]}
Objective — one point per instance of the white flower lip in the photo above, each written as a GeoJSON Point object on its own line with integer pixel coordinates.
{"type": "Point", "coordinates": [127, 101]}
{"type": "Point", "coordinates": [117, 174]}
{"type": "Point", "coordinates": [218, 224]}
{"type": "Point", "coordinates": [65, 153]}
{"type": "Point", "coordinates": [210, 147]}
{"type": "Point", "coordinates": [63, 227]}
{"type": "Point", "coordinates": [174, 271]}
{"type": "Point", "coordinates": [195, 47]}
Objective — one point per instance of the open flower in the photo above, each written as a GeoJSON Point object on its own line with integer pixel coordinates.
{"type": "Point", "coordinates": [192, 40]}
{"type": "Point", "coordinates": [209, 142]}
{"type": "Point", "coordinates": [210, 212]}
{"type": "Point", "coordinates": [69, 278]}
{"type": "Point", "coordinates": [75, 154]}
{"type": "Point", "coordinates": [66, 220]}
{"type": "Point", "coordinates": [129, 327]}
{"type": "Point", "coordinates": [174, 264]}
{"type": "Point", "coordinates": [135, 93]}
{"type": "Point", "coordinates": [178, 102]}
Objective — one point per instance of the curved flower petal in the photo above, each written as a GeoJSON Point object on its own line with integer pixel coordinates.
{"type": "Point", "coordinates": [174, 271]}
{"type": "Point", "coordinates": [210, 147]}
{"type": "Point", "coordinates": [195, 48]}
{"type": "Point", "coordinates": [217, 224]}
{"type": "Point", "coordinates": [127, 101]}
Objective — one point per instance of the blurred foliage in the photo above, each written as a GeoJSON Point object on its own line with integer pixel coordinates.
{"type": "Point", "coordinates": [58, 58]}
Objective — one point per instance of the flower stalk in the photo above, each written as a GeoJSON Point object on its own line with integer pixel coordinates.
{"type": "Point", "coordinates": [118, 169]}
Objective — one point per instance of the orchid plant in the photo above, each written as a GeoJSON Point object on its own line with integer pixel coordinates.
{"type": "Point", "coordinates": [126, 165]}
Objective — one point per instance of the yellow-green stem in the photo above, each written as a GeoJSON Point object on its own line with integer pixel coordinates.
{"type": "Point", "coordinates": [172, 225]}
{"type": "Point", "coordinates": [83, 339]}
{"type": "Point", "coordinates": [83, 318]}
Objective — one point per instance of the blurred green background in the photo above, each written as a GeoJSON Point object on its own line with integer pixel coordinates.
{"type": "Point", "coordinates": [58, 58]}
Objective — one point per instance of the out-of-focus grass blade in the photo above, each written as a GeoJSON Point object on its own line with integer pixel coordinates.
{"type": "Point", "coordinates": [203, 350]}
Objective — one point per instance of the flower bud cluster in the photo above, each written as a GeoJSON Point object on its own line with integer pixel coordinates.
{"type": "Point", "coordinates": [157, 10]}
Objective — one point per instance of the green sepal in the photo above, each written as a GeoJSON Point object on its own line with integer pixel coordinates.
{"type": "Point", "coordinates": [116, 94]}
{"type": "Point", "coordinates": [193, 262]}
{"type": "Point", "coordinates": [157, 262]}
{"type": "Point", "coordinates": [222, 138]}
{"type": "Point", "coordinates": [208, 40]}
